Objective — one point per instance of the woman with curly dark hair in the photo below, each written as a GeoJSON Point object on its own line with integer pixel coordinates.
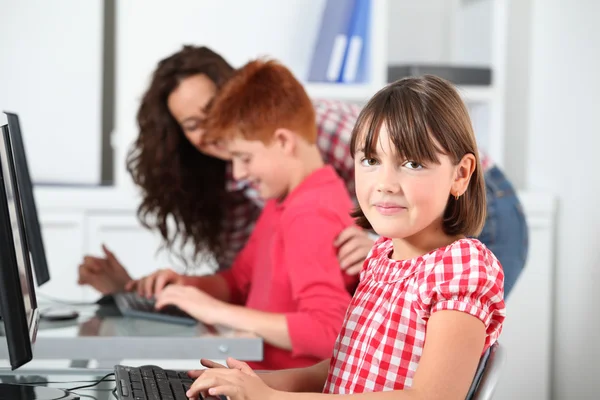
{"type": "Point", "coordinates": [188, 193]}
{"type": "Point", "coordinates": [190, 197]}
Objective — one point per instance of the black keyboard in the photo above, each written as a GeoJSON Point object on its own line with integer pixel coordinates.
{"type": "Point", "coordinates": [132, 305]}
{"type": "Point", "coordinates": [150, 382]}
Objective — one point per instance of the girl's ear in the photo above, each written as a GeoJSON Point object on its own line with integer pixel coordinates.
{"type": "Point", "coordinates": [285, 140]}
{"type": "Point", "coordinates": [463, 173]}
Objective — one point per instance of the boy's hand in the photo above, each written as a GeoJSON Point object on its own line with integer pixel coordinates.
{"type": "Point", "coordinates": [151, 285]}
{"type": "Point", "coordinates": [193, 301]}
{"type": "Point", "coordinates": [239, 382]}
{"type": "Point", "coordinates": [353, 246]}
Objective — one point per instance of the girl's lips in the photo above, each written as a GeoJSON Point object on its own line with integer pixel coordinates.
{"type": "Point", "coordinates": [389, 209]}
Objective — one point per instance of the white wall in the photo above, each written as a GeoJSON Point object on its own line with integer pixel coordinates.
{"type": "Point", "coordinates": [53, 76]}
{"type": "Point", "coordinates": [150, 30]}
{"type": "Point", "coordinates": [425, 21]}
{"type": "Point", "coordinates": [455, 32]}
{"type": "Point", "coordinates": [518, 69]}
{"type": "Point", "coordinates": [562, 153]}
{"type": "Point", "coordinates": [50, 74]}
{"type": "Point", "coordinates": [439, 31]}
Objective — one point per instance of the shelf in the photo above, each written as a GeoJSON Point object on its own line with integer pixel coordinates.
{"type": "Point", "coordinates": [473, 94]}
{"type": "Point", "coordinates": [539, 207]}
{"type": "Point", "coordinates": [341, 91]}
{"type": "Point", "coordinates": [362, 93]}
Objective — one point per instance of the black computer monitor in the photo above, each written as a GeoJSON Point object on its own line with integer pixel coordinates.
{"type": "Point", "coordinates": [18, 304]}
{"type": "Point", "coordinates": [25, 187]}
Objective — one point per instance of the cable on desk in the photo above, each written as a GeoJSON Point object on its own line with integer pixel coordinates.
{"type": "Point", "coordinates": [103, 379]}
{"type": "Point", "coordinates": [34, 383]}
{"type": "Point", "coordinates": [70, 391]}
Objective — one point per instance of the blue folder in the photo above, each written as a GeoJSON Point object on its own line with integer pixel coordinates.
{"type": "Point", "coordinates": [332, 41]}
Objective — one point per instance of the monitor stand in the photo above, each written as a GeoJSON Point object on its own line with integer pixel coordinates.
{"type": "Point", "coordinates": [10, 391]}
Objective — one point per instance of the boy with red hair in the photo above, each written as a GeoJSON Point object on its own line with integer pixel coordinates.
{"type": "Point", "coordinates": [286, 285]}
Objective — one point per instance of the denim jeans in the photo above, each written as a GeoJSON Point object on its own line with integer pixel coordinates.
{"type": "Point", "coordinates": [505, 231]}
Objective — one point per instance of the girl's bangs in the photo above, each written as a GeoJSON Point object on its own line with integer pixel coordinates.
{"type": "Point", "coordinates": [406, 123]}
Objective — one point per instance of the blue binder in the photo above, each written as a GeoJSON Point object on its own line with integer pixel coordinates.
{"type": "Point", "coordinates": [355, 59]}
{"type": "Point", "coordinates": [332, 41]}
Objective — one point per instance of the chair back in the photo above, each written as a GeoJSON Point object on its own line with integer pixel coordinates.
{"type": "Point", "coordinates": [488, 373]}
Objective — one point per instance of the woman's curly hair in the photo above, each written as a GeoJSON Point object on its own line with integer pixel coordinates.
{"type": "Point", "coordinates": [178, 182]}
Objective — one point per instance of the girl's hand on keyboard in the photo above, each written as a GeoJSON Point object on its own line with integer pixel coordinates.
{"type": "Point", "coordinates": [195, 373]}
{"type": "Point", "coordinates": [238, 382]}
{"type": "Point", "coordinates": [193, 301]}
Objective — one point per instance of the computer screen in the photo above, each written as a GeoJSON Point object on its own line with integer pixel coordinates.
{"type": "Point", "coordinates": [18, 304]}
{"type": "Point", "coordinates": [25, 187]}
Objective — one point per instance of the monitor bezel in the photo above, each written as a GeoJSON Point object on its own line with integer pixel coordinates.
{"type": "Point", "coordinates": [30, 214]}
{"type": "Point", "coordinates": [20, 329]}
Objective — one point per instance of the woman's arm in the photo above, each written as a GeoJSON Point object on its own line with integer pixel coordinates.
{"type": "Point", "coordinates": [353, 246]}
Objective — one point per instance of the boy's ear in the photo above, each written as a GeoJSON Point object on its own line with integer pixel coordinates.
{"type": "Point", "coordinates": [464, 171]}
{"type": "Point", "coordinates": [285, 140]}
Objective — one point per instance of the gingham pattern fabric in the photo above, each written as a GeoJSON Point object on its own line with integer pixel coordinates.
{"type": "Point", "coordinates": [382, 339]}
{"type": "Point", "coordinates": [335, 121]}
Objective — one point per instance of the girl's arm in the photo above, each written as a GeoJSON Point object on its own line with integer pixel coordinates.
{"type": "Point", "coordinates": [454, 345]}
{"type": "Point", "coordinates": [447, 367]}
{"type": "Point", "coordinates": [309, 379]}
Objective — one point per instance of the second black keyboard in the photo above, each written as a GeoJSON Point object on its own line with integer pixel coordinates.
{"type": "Point", "coordinates": [132, 305]}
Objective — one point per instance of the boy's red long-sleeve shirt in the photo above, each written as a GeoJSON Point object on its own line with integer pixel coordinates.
{"type": "Point", "coordinates": [290, 266]}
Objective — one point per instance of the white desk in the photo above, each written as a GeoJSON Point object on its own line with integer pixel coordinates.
{"type": "Point", "coordinates": [111, 339]}
{"type": "Point", "coordinates": [33, 386]}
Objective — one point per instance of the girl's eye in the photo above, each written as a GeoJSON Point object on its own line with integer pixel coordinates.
{"type": "Point", "coordinates": [413, 165]}
{"type": "Point", "coordinates": [368, 162]}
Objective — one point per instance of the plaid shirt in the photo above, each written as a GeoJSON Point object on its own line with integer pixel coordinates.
{"type": "Point", "coordinates": [382, 339]}
{"type": "Point", "coordinates": [335, 121]}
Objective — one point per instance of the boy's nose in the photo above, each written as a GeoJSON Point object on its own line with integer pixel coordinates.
{"type": "Point", "coordinates": [197, 137]}
{"type": "Point", "coordinates": [239, 172]}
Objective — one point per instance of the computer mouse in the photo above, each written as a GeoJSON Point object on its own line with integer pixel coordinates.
{"type": "Point", "coordinates": [58, 314]}
{"type": "Point", "coordinates": [106, 300]}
